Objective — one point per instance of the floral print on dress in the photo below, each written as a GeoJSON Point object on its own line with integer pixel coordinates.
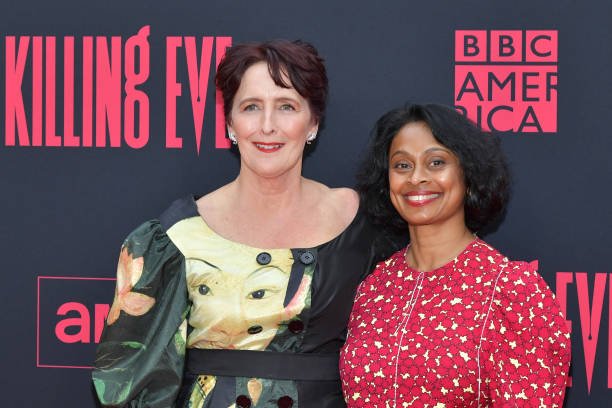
{"type": "Point", "coordinates": [140, 361]}
{"type": "Point", "coordinates": [129, 272]}
{"type": "Point", "coordinates": [480, 331]}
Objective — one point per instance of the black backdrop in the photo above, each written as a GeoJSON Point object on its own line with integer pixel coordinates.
{"type": "Point", "coordinates": [67, 209]}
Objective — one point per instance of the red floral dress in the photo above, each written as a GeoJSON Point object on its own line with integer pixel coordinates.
{"type": "Point", "coordinates": [480, 331]}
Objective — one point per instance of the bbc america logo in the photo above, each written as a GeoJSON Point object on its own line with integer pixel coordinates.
{"type": "Point", "coordinates": [507, 80]}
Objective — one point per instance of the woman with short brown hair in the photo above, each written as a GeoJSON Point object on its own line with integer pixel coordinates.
{"type": "Point", "coordinates": [243, 295]}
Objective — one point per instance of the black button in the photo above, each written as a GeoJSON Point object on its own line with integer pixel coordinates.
{"type": "Point", "coordinates": [296, 326]}
{"type": "Point", "coordinates": [285, 402]}
{"type": "Point", "coordinates": [307, 258]}
{"type": "Point", "coordinates": [254, 329]}
{"type": "Point", "coordinates": [243, 402]}
{"type": "Point", "coordinates": [264, 258]}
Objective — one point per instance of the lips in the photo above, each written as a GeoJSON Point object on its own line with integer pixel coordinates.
{"type": "Point", "coordinates": [420, 198]}
{"type": "Point", "coordinates": [268, 147]}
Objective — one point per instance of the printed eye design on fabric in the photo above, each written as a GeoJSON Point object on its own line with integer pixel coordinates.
{"type": "Point", "coordinates": [258, 294]}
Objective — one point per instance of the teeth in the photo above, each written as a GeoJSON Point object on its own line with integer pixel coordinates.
{"type": "Point", "coordinates": [268, 147]}
{"type": "Point", "coordinates": [422, 197]}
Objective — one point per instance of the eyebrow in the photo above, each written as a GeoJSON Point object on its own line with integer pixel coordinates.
{"type": "Point", "coordinates": [256, 271]}
{"type": "Point", "coordinates": [206, 262]}
{"type": "Point", "coordinates": [287, 98]}
{"type": "Point", "coordinates": [263, 269]}
{"type": "Point", "coordinates": [282, 95]}
{"type": "Point", "coordinates": [282, 98]}
{"type": "Point", "coordinates": [431, 149]}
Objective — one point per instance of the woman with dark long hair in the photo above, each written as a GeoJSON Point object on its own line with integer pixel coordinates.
{"type": "Point", "coordinates": [448, 321]}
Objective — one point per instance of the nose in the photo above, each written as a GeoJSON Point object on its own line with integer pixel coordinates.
{"type": "Point", "coordinates": [419, 175]}
{"type": "Point", "coordinates": [268, 125]}
{"type": "Point", "coordinates": [231, 326]}
{"type": "Point", "coordinates": [233, 322]}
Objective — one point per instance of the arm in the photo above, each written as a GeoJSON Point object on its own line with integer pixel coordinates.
{"type": "Point", "coordinates": [526, 351]}
{"type": "Point", "coordinates": [139, 361]}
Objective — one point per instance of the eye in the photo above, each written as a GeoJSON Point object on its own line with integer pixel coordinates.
{"type": "Point", "coordinates": [437, 162]}
{"type": "Point", "coordinates": [203, 290]}
{"type": "Point", "coordinates": [250, 107]}
{"type": "Point", "coordinates": [258, 294]}
{"type": "Point", "coordinates": [287, 107]}
{"type": "Point", "coordinates": [402, 166]}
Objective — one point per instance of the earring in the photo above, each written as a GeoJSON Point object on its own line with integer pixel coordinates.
{"type": "Point", "coordinates": [231, 136]}
{"type": "Point", "coordinates": [311, 137]}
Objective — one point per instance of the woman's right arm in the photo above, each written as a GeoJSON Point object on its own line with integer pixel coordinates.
{"type": "Point", "coordinates": [139, 361]}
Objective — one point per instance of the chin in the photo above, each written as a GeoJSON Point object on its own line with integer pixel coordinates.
{"type": "Point", "coordinates": [271, 172]}
{"type": "Point", "coordinates": [418, 222]}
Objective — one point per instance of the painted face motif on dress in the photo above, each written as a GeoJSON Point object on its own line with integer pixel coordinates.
{"type": "Point", "coordinates": [238, 301]}
{"type": "Point", "coordinates": [271, 124]}
{"type": "Point", "coordinates": [425, 178]}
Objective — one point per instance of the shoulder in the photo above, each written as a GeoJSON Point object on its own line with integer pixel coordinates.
{"type": "Point", "coordinates": [215, 201]}
{"type": "Point", "coordinates": [341, 204]}
{"type": "Point", "coordinates": [509, 278]}
{"type": "Point", "coordinates": [344, 203]}
{"type": "Point", "coordinates": [343, 207]}
{"type": "Point", "coordinates": [178, 210]}
{"type": "Point", "coordinates": [343, 196]}
{"type": "Point", "coordinates": [394, 262]}
{"type": "Point", "coordinates": [389, 268]}
{"type": "Point", "coordinates": [481, 252]}
{"type": "Point", "coordinates": [521, 286]}
{"type": "Point", "coordinates": [518, 282]}
{"type": "Point", "coordinates": [521, 274]}
{"type": "Point", "coordinates": [333, 210]}
{"type": "Point", "coordinates": [525, 311]}
{"type": "Point", "coordinates": [144, 249]}
{"type": "Point", "coordinates": [513, 282]}
{"type": "Point", "coordinates": [152, 235]}
{"type": "Point", "coordinates": [523, 299]}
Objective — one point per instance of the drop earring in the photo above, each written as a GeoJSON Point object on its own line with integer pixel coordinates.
{"type": "Point", "coordinates": [311, 137]}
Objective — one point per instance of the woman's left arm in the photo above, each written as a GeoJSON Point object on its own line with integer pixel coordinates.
{"type": "Point", "coordinates": [526, 350]}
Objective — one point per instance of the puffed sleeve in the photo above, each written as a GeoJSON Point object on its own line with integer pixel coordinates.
{"type": "Point", "coordinates": [526, 347]}
{"type": "Point", "coordinates": [139, 362]}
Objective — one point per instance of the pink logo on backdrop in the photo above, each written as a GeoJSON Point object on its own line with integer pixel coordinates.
{"type": "Point", "coordinates": [588, 290]}
{"type": "Point", "coordinates": [506, 80]}
{"type": "Point", "coordinates": [70, 317]}
{"type": "Point", "coordinates": [103, 88]}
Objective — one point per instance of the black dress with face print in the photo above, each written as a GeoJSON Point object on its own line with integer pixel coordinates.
{"type": "Point", "coordinates": [202, 321]}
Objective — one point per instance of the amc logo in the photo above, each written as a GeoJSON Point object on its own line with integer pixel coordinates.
{"type": "Point", "coordinates": [70, 317]}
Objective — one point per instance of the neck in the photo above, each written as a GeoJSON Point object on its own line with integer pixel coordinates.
{"type": "Point", "coordinates": [432, 246]}
{"type": "Point", "coordinates": [255, 193]}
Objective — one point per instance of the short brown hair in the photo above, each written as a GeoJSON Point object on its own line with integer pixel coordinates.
{"type": "Point", "coordinates": [297, 61]}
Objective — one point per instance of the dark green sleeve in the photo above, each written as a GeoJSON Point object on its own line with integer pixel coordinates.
{"type": "Point", "coordinates": [139, 362]}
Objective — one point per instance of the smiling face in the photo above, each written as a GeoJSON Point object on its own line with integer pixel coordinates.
{"type": "Point", "coordinates": [271, 124]}
{"type": "Point", "coordinates": [425, 178]}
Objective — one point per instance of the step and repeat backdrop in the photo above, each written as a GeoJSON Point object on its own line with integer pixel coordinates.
{"type": "Point", "coordinates": [108, 112]}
